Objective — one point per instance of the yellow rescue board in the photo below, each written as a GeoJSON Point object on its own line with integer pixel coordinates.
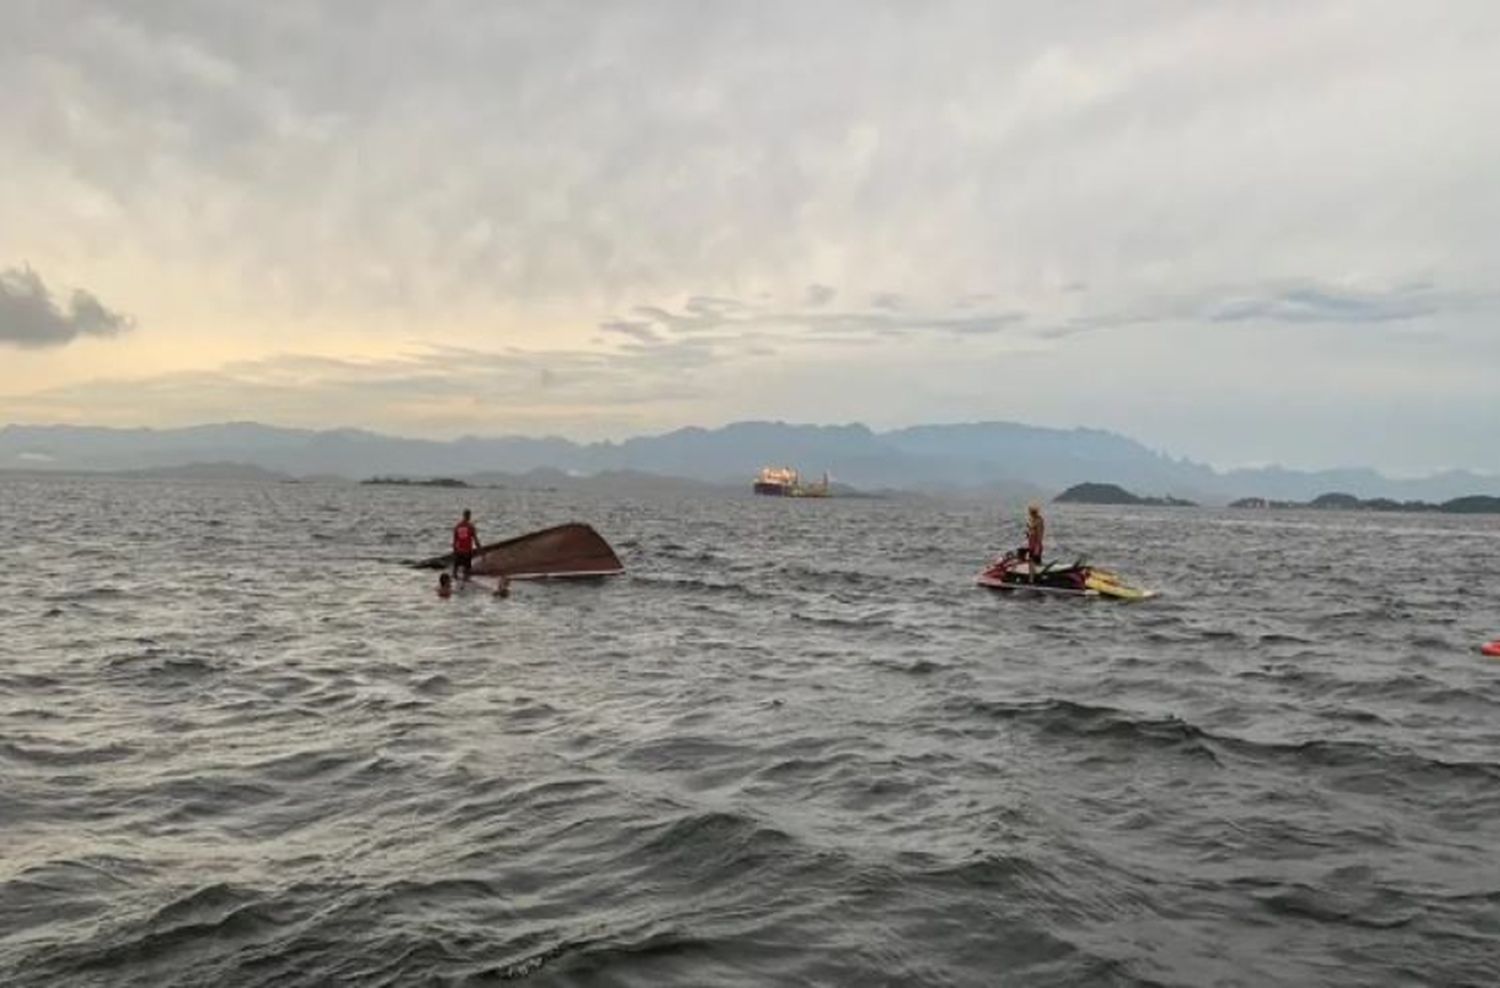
{"type": "Point", "coordinates": [1108, 585]}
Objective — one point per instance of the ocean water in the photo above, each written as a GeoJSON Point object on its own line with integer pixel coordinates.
{"type": "Point", "coordinates": [240, 746]}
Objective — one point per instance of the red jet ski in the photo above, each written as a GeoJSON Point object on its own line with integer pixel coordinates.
{"type": "Point", "coordinates": [1078, 579]}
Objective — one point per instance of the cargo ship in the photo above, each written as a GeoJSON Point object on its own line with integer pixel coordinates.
{"type": "Point", "coordinates": [785, 482]}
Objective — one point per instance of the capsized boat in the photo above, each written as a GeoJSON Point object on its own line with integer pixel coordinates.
{"type": "Point", "coordinates": [1076, 579]}
{"type": "Point", "coordinates": [571, 551]}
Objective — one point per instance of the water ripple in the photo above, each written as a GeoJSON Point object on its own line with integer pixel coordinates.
{"type": "Point", "coordinates": [793, 746]}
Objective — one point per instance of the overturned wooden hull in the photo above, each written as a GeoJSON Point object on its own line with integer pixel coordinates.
{"type": "Point", "coordinates": [572, 551]}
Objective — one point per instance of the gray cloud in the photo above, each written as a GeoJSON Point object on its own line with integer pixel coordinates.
{"type": "Point", "coordinates": [714, 330]}
{"type": "Point", "coordinates": [817, 296]}
{"type": "Point", "coordinates": [30, 316]}
{"type": "Point", "coordinates": [1277, 303]}
{"type": "Point", "coordinates": [637, 330]}
{"type": "Point", "coordinates": [712, 306]}
{"type": "Point", "coordinates": [1307, 303]}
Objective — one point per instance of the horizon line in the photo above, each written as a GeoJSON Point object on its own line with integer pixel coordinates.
{"type": "Point", "coordinates": [1220, 469]}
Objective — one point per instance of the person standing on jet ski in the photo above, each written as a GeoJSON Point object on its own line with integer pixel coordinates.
{"type": "Point", "coordinates": [1036, 530]}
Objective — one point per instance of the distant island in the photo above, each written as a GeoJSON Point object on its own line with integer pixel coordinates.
{"type": "Point", "coordinates": [410, 482]}
{"type": "Point", "coordinates": [218, 471]}
{"type": "Point", "coordinates": [1092, 493]}
{"type": "Point", "coordinates": [1474, 504]}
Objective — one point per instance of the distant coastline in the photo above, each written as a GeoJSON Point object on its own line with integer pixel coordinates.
{"type": "Point", "coordinates": [1007, 460]}
{"type": "Point", "coordinates": [636, 483]}
{"type": "Point", "coordinates": [1096, 493]}
{"type": "Point", "coordinates": [413, 482]}
{"type": "Point", "coordinates": [1474, 504]}
{"type": "Point", "coordinates": [1113, 494]}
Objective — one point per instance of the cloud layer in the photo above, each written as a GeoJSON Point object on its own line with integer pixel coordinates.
{"type": "Point", "coordinates": [641, 149]}
{"type": "Point", "coordinates": [31, 317]}
{"type": "Point", "coordinates": [883, 211]}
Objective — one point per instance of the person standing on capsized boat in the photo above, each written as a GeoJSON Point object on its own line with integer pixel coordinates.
{"type": "Point", "coordinates": [465, 544]}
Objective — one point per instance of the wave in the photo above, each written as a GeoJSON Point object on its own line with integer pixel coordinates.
{"type": "Point", "coordinates": [53, 755]}
{"type": "Point", "coordinates": [162, 661]}
{"type": "Point", "coordinates": [86, 595]}
{"type": "Point", "coordinates": [711, 847]}
{"type": "Point", "coordinates": [614, 958]}
{"type": "Point", "coordinates": [1082, 720]}
{"type": "Point", "coordinates": [694, 584]}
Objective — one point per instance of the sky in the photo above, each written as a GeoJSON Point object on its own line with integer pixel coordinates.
{"type": "Point", "coordinates": [1248, 233]}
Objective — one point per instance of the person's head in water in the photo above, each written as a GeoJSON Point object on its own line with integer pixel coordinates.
{"type": "Point", "coordinates": [502, 588]}
{"type": "Point", "coordinates": [445, 585]}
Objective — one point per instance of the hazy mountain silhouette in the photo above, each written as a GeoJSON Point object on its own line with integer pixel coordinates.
{"type": "Point", "coordinates": [973, 456]}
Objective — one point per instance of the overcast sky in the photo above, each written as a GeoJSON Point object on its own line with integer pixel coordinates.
{"type": "Point", "coordinates": [1246, 232]}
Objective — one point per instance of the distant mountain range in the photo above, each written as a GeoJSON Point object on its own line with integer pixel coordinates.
{"type": "Point", "coordinates": [1019, 460]}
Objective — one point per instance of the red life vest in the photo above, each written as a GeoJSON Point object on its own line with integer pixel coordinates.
{"type": "Point", "coordinates": [463, 537]}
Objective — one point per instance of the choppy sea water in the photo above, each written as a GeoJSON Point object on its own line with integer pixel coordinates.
{"type": "Point", "coordinates": [794, 746]}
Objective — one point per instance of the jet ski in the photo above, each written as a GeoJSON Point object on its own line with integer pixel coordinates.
{"type": "Point", "coordinates": [1077, 579]}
